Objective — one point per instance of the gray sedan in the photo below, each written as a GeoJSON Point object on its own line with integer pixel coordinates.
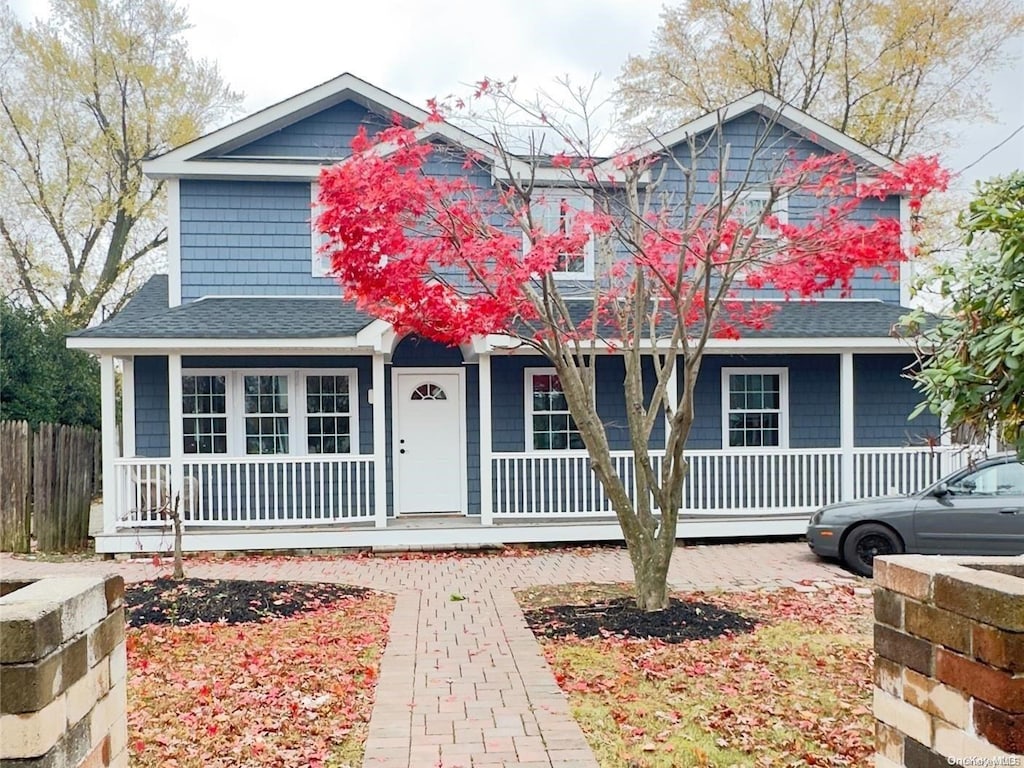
{"type": "Point", "coordinates": [975, 511]}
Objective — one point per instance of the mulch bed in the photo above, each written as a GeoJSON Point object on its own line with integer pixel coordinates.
{"type": "Point", "coordinates": [683, 620]}
{"type": "Point", "coordinates": [224, 601]}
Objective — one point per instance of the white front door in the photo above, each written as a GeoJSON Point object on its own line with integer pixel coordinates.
{"type": "Point", "coordinates": [429, 452]}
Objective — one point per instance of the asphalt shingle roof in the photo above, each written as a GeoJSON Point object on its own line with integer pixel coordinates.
{"type": "Point", "coordinates": [147, 316]}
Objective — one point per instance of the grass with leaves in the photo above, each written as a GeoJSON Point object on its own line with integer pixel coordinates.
{"type": "Point", "coordinates": [285, 691]}
{"type": "Point", "coordinates": [795, 691]}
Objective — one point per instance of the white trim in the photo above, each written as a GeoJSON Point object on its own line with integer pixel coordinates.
{"type": "Point", "coordinates": [173, 243]}
{"type": "Point", "coordinates": [143, 345]}
{"type": "Point", "coordinates": [396, 374]}
{"type": "Point", "coordinates": [572, 196]}
{"type": "Point", "coordinates": [108, 437]}
{"type": "Point", "coordinates": [906, 243]}
{"type": "Point", "coordinates": [847, 410]}
{"type": "Point", "coordinates": [486, 442]}
{"type": "Point", "coordinates": [380, 451]}
{"type": "Point", "coordinates": [763, 103]}
{"type": "Point", "coordinates": [783, 374]}
{"type": "Point", "coordinates": [807, 345]}
{"type": "Point", "coordinates": [128, 406]}
{"type": "Point", "coordinates": [175, 416]}
{"type": "Point", "coordinates": [470, 534]}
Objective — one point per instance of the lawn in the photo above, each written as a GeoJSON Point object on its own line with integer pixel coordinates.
{"type": "Point", "coordinates": [228, 673]}
{"type": "Point", "coordinates": [788, 684]}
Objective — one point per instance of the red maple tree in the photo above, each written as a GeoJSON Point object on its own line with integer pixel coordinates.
{"type": "Point", "coordinates": [672, 238]}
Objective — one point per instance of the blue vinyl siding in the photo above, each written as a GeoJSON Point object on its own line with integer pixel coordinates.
{"type": "Point", "coordinates": [327, 133]}
{"type": "Point", "coordinates": [885, 398]}
{"type": "Point", "coordinates": [152, 420]}
{"type": "Point", "coordinates": [248, 238]}
{"type": "Point", "coordinates": [508, 401]}
{"type": "Point", "coordinates": [813, 398]}
{"type": "Point", "coordinates": [742, 134]}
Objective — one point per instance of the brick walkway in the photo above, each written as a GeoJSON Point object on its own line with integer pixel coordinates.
{"type": "Point", "coordinates": [463, 682]}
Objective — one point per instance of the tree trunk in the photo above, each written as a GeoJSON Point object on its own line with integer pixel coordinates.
{"type": "Point", "coordinates": [650, 573]}
{"type": "Point", "coordinates": [179, 568]}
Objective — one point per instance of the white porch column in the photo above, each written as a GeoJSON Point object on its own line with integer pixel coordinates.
{"type": "Point", "coordinates": [108, 443]}
{"type": "Point", "coordinates": [846, 424]}
{"type": "Point", "coordinates": [128, 406]}
{"type": "Point", "coordinates": [174, 429]}
{"type": "Point", "coordinates": [486, 469]}
{"type": "Point", "coordinates": [380, 480]}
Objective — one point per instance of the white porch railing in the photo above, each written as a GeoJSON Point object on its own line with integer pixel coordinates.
{"type": "Point", "coordinates": [561, 484]}
{"type": "Point", "coordinates": [247, 491]}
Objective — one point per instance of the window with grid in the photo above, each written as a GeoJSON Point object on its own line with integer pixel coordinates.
{"type": "Point", "coordinates": [551, 425]}
{"type": "Point", "coordinates": [554, 212]}
{"type": "Point", "coordinates": [755, 402]}
{"type": "Point", "coordinates": [266, 413]}
{"type": "Point", "coordinates": [204, 414]}
{"type": "Point", "coordinates": [328, 414]}
{"type": "Point", "coordinates": [750, 205]}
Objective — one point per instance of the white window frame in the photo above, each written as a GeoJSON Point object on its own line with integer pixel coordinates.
{"type": "Point", "coordinates": [528, 414]}
{"type": "Point", "coordinates": [587, 206]}
{"type": "Point", "coordinates": [234, 387]}
{"type": "Point", "coordinates": [783, 410]}
{"type": "Point", "coordinates": [209, 373]}
{"type": "Point", "coordinates": [319, 265]}
{"type": "Point", "coordinates": [780, 209]}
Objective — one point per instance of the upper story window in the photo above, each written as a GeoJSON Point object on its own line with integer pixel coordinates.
{"type": "Point", "coordinates": [755, 405]}
{"type": "Point", "coordinates": [554, 211]}
{"type": "Point", "coordinates": [550, 426]}
{"type": "Point", "coordinates": [321, 264]}
{"type": "Point", "coordinates": [750, 205]}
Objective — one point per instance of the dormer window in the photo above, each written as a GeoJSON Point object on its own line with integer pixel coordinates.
{"type": "Point", "coordinates": [554, 211]}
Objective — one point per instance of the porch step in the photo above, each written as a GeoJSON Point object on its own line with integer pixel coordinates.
{"type": "Point", "coordinates": [384, 550]}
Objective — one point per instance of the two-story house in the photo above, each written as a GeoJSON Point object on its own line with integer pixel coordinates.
{"type": "Point", "coordinates": [285, 418]}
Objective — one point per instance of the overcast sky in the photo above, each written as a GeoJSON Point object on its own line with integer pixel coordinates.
{"type": "Point", "coordinates": [417, 50]}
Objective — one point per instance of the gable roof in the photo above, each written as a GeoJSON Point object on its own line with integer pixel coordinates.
{"type": "Point", "coordinates": [775, 110]}
{"type": "Point", "coordinates": [198, 157]}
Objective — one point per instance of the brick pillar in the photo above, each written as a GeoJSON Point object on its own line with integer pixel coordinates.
{"type": "Point", "coordinates": [949, 667]}
{"type": "Point", "coordinates": [63, 673]}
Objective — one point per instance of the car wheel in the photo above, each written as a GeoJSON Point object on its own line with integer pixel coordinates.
{"type": "Point", "coordinates": [866, 542]}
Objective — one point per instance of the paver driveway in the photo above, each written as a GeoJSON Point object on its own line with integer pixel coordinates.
{"type": "Point", "coordinates": [463, 682]}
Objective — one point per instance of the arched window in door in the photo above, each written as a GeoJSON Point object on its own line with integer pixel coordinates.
{"type": "Point", "coordinates": [428, 391]}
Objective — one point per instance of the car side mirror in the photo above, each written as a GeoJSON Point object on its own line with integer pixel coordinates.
{"type": "Point", "coordinates": [940, 490]}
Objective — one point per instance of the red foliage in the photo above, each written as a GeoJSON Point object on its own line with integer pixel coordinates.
{"type": "Point", "coordinates": [433, 254]}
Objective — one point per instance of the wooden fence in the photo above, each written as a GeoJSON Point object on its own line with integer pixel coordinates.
{"type": "Point", "coordinates": [49, 481]}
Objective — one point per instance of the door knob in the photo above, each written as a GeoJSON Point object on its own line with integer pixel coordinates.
{"type": "Point", "coordinates": [402, 450]}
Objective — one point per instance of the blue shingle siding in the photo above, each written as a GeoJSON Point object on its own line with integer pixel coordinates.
{"type": "Point", "coordinates": [742, 135]}
{"type": "Point", "coordinates": [328, 133]}
{"type": "Point", "coordinates": [416, 352]}
{"type": "Point", "coordinates": [152, 419]}
{"type": "Point", "coordinates": [473, 437]}
{"type": "Point", "coordinates": [248, 238]}
{"type": "Point", "coordinates": [508, 401]}
{"type": "Point", "coordinates": [885, 398]}
{"type": "Point", "coordinates": [813, 398]}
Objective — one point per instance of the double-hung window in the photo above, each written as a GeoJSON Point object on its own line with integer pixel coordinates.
{"type": "Point", "coordinates": [321, 262]}
{"type": "Point", "coordinates": [749, 207]}
{"type": "Point", "coordinates": [554, 212]}
{"type": "Point", "coordinates": [754, 408]}
{"type": "Point", "coordinates": [549, 425]}
{"type": "Point", "coordinates": [270, 412]}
